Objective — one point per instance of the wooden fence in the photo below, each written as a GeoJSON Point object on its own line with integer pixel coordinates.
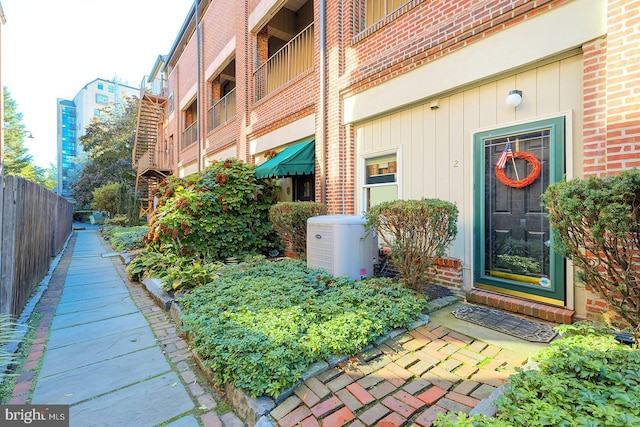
{"type": "Point", "coordinates": [34, 225]}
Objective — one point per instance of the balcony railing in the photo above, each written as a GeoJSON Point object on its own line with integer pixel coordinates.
{"type": "Point", "coordinates": [368, 12]}
{"type": "Point", "coordinates": [222, 111]}
{"type": "Point", "coordinates": [190, 135]}
{"type": "Point", "coordinates": [290, 61]}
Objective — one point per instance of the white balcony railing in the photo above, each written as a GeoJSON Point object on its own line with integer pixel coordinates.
{"type": "Point", "coordinates": [368, 12]}
{"type": "Point", "coordinates": [222, 111]}
{"type": "Point", "coordinates": [290, 61]}
{"type": "Point", "coordinates": [190, 135]}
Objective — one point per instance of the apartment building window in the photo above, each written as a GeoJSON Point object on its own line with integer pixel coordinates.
{"type": "Point", "coordinates": [111, 89]}
{"type": "Point", "coordinates": [96, 112]}
{"type": "Point", "coordinates": [102, 99]}
{"type": "Point", "coordinates": [370, 12]}
{"type": "Point", "coordinates": [100, 86]}
{"type": "Point", "coordinates": [170, 103]}
{"type": "Point", "coordinates": [381, 180]}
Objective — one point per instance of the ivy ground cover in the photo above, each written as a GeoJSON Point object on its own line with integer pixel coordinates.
{"type": "Point", "coordinates": [260, 327]}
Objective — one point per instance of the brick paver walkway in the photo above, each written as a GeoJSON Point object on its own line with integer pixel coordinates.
{"type": "Point", "coordinates": [407, 380]}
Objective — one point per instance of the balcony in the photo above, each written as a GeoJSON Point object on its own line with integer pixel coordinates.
{"type": "Point", "coordinates": [369, 12]}
{"type": "Point", "coordinates": [222, 111]}
{"type": "Point", "coordinates": [287, 63]}
{"type": "Point", "coordinates": [190, 135]}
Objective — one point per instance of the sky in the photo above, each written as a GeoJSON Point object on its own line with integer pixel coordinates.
{"type": "Point", "coordinates": [51, 49]}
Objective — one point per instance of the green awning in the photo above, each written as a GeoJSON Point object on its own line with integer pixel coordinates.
{"type": "Point", "coordinates": [298, 159]}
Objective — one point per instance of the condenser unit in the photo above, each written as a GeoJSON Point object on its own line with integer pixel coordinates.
{"type": "Point", "coordinates": [342, 245]}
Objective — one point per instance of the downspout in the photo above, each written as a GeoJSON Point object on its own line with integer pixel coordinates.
{"type": "Point", "coordinates": [198, 99]}
{"type": "Point", "coordinates": [323, 107]}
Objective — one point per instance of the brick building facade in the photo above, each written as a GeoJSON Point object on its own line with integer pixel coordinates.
{"type": "Point", "coordinates": [406, 99]}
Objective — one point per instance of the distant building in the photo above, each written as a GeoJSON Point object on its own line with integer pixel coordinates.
{"type": "Point", "coordinates": [74, 117]}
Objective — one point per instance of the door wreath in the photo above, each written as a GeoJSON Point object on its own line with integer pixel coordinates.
{"type": "Point", "coordinates": [526, 181]}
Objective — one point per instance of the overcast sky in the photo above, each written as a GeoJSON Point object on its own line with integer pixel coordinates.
{"type": "Point", "coordinates": [52, 48]}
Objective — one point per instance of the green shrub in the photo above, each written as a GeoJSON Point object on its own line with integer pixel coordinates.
{"type": "Point", "coordinates": [260, 326]}
{"type": "Point", "coordinates": [180, 274]}
{"type": "Point", "coordinates": [586, 378]}
{"type": "Point", "coordinates": [125, 238]}
{"type": "Point", "coordinates": [117, 199]}
{"type": "Point", "coordinates": [104, 198]}
{"type": "Point", "coordinates": [417, 231]}
{"type": "Point", "coordinates": [220, 213]}
{"type": "Point", "coordinates": [289, 220]}
{"type": "Point", "coordinates": [116, 221]}
{"type": "Point", "coordinates": [597, 221]}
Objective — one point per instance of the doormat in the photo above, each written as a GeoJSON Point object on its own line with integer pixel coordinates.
{"type": "Point", "coordinates": [525, 329]}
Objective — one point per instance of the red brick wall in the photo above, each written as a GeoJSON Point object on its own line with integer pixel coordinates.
{"type": "Point", "coordinates": [594, 107]}
{"type": "Point", "coordinates": [449, 273]}
{"type": "Point", "coordinates": [298, 94]}
{"type": "Point", "coordinates": [612, 105]}
{"type": "Point", "coordinates": [425, 30]}
{"type": "Point", "coordinates": [218, 27]}
{"type": "Point", "coordinates": [623, 85]}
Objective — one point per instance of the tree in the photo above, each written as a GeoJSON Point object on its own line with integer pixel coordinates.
{"type": "Point", "coordinates": [418, 232]}
{"type": "Point", "coordinates": [597, 225]}
{"type": "Point", "coordinates": [17, 160]}
{"type": "Point", "coordinates": [108, 142]}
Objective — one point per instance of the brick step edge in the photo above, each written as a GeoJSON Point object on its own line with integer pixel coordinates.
{"type": "Point", "coordinates": [521, 306]}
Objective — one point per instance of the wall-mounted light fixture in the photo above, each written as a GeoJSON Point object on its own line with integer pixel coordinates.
{"type": "Point", "coordinates": [514, 99]}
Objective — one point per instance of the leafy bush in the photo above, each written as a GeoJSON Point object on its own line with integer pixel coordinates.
{"type": "Point", "coordinates": [220, 213]}
{"type": "Point", "coordinates": [116, 221]}
{"type": "Point", "coordinates": [177, 274]}
{"type": "Point", "coordinates": [417, 231]}
{"type": "Point", "coordinates": [260, 327]}
{"type": "Point", "coordinates": [289, 220]}
{"type": "Point", "coordinates": [597, 220]}
{"type": "Point", "coordinates": [117, 199]}
{"type": "Point", "coordinates": [585, 379]}
{"type": "Point", "coordinates": [125, 238]}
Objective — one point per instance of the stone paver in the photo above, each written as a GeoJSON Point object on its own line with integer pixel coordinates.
{"type": "Point", "coordinates": [407, 380]}
{"type": "Point", "coordinates": [105, 348]}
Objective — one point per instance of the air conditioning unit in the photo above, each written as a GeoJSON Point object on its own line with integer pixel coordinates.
{"type": "Point", "coordinates": [341, 245]}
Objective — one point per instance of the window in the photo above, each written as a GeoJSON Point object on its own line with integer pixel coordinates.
{"type": "Point", "coordinates": [96, 112]}
{"type": "Point", "coordinates": [111, 89]}
{"type": "Point", "coordinates": [100, 86]}
{"type": "Point", "coordinates": [170, 106]}
{"type": "Point", "coordinates": [381, 180]}
{"type": "Point", "coordinates": [102, 99]}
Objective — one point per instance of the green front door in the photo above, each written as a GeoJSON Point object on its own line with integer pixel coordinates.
{"type": "Point", "coordinates": [513, 245]}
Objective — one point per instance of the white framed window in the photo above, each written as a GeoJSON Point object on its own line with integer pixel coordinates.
{"type": "Point", "coordinates": [379, 179]}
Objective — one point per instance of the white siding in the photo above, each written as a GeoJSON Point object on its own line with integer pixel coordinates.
{"type": "Point", "coordinates": [436, 145]}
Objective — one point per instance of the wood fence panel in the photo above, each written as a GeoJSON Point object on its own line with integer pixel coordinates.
{"type": "Point", "coordinates": [35, 225]}
{"type": "Point", "coordinates": [8, 246]}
